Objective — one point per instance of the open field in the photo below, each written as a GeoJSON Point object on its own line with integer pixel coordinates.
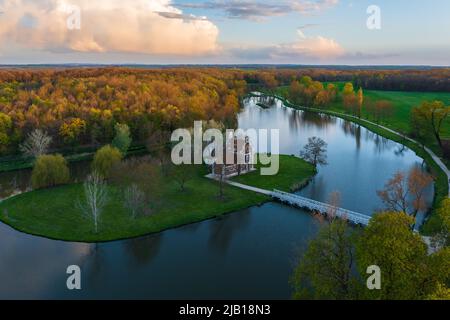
{"type": "Point", "coordinates": [54, 212]}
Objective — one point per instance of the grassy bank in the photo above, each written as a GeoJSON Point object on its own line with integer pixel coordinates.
{"type": "Point", "coordinates": [293, 175]}
{"type": "Point", "coordinates": [433, 224]}
{"type": "Point", "coordinates": [19, 162]}
{"type": "Point", "coordinates": [402, 102]}
{"type": "Point", "coordinates": [54, 213]}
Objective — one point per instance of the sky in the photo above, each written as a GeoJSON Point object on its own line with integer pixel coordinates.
{"type": "Point", "coordinates": [318, 32]}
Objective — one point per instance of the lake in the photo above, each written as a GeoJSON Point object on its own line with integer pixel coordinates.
{"type": "Point", "coordinates": [245, 255]}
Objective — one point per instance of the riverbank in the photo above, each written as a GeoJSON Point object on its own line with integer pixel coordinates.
{"type": "Point", "coordinates": [19, 162]}
{"type": "Point", "coordinates": [436, 166]}
{"type": "Point", "coordinates": [54, 213]}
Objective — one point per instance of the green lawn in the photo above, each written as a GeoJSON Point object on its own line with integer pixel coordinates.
{"type": "Point", "coordinates": [54, 213]}
{"type": "Point", "coordinates": [293, 175]}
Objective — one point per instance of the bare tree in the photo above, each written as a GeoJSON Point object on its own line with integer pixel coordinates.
{"type": "Point", "coordinates": [395, 193]}
{"type": "Point", "coordinates": [406, 192]}
{"type": "Point", "coordinates": [334, 200]}
{"type": "Point", "coordinates": [315, 151]}
{"type": "Point", "coordinates": [96, 195]}
{"type": "Point", "coordinates": [418, 182]}
{"type": "Point", "coordinates": [134, 200]}
{"type": "Point", "coordinates": [182, 174]}
{"type": "Point", "coordinates": [36, 144]}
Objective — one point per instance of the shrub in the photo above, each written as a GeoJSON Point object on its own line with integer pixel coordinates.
{"type": "Point", "coordinates": [49, 171]}
{"type": "Point", "coordinates": [105, 159]}
{"type": "Point", "coordinates": [122, 140]}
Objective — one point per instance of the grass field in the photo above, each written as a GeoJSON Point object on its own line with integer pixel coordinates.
{"type": "Point", "coordinates": [54, 213]}
{"type": "Point", "coordinates": [289, 166]}
{"type": "Point", "coordinates": [403, 102]}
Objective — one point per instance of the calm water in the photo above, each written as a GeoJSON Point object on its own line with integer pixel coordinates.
{"type": "Point", "coordinates": [248, 254]}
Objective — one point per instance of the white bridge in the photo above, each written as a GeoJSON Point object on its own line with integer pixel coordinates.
{"type": "Point", "coordinates": [302, 202]}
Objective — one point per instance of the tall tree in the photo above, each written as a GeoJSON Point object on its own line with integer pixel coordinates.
{"type": "Point", "coordinates": [325, 269]}
{"type": "Point", "coordinates": [134, 200]}
{"type": "Point", "coordinates": [360, 102]}
{"type": "Point", "coordinates": [105, 159]}
{"type": "Point", "coordinates": [122, 140]}
{"type": "Point", "coordinates": [407, 271]}
{"type": "Point", "coordinates": [96, 196]}
{"type": "Point", "coordinates": [315, 151]}
{"type": "Point", "coordinates": [431, 116]}
{"type": "Point", "coordinates": [406, 193]}
{"type": "Point", "coordinates": [5, 128]}
{"type": "Point", "coordinates": [50, 171]}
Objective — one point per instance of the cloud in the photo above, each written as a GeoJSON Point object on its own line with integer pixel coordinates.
{"type": "Point", "coordinates": [300, 30]}
{"type": "Point", "coordinates": [134, 26]}
{"type": "Point", "coordinates": [173, 15]}
{"type": "Point", "coordinates": [257, 9]}
{"type": "Point", "coordinates": [316, 48]}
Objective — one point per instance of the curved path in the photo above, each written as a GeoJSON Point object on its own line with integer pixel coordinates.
{"type": "Point", "coordinates": [435, 158]}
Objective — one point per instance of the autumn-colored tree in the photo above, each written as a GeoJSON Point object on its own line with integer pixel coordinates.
{"type": "Point", "coordinates": [348, 89]}
{"type": "Point", "coordinates": [380, 109]}
{"type": "Point", "coordinates": [49, 171]}
{"type": "Point", "coordinates": [406, 192]}
{"type": "Point", "coordinates": [296, 91]}
{"type": "Point", "coordinates": [360, 97]}
{"type": "Point", "coordinates": [105, 159]}
{"type": "Point", "coordinates": [72, 130]}
{"type": "Point", "coordinates": [5, 128]}
{"type": "Point", "coordinates": [322, 99]}
{"type": "Point", "coordinates": [332, 92]}
{"type": "Point", "coordinates": [418, 182]}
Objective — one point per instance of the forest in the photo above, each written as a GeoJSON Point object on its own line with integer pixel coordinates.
{"type": "Point", "coordinates": [81, 106]}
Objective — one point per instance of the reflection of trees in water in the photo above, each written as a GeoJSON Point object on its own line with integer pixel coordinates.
{"type": "Point", "coordinates": [96, 264]}
{"type": "Point", "coordinates": [317, 188]}
{"type": "Point", "coordinates": [266, 100]}
{"type": "Point", "coordinates": [400, 150]}
{"type": "Point", "coordinates": [303, 119]}
{"type": "Point", "coordinates": [222, 229]}
{"type": "Point", "coordinates": [317, 120]}
{"type": "Point", "coordinates": [143, 249]}
{"type": "Point", "coordinates": [354, 130]}
{"type": "Point", "coordinates": [381, 144]}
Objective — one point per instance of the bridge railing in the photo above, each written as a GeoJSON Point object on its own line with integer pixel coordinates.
{"type": "Point", "coordinates": [322, 207]}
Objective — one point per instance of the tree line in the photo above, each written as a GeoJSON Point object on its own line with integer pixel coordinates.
{"type": "Point", "coordinates": [82, 106]}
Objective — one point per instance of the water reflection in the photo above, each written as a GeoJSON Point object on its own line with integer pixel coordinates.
{"type": "Point", "coordinates": [244, 255]}
{"type": "Point", "coordinates": [143, 250]}
{"type": "Point", "coordinates": [223, 229]}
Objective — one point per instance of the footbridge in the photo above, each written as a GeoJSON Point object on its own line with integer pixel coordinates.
{"type": "Point", "coordinates": [324, 208]}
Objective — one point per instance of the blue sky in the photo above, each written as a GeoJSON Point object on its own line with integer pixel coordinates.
{"type": "Point", "coordinates": [226, 31]}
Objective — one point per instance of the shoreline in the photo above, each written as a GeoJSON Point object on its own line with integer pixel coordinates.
{"type": "Point", "coordinates": [18, 211]}
{"type": "Point", "coordinates": [442, 181]}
